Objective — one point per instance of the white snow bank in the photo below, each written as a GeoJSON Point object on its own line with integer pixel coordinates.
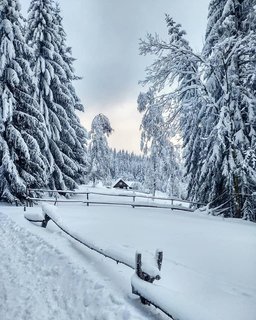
{"type": "Point", "coordinates": [115, 252]}
{"type": "Point", "coordinates": [171, 302]}
{"type": "Point", "coordinates": [34, 216]}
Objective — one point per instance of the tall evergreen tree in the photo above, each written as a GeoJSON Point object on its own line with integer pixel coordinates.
{"type": "Point", "coordinates": [228, 173]}
{"type": "Point", "coordinates": [22, 130]}
{"type": "Point", "coordinates": [79, 153]}
{"type": "Point", "coordinates": [99, 149]}
{"type": "Point", "coordinates": [214, 95]}
{"type": "Point", "coordinates": [162, 168]}
{"type": "Point", "coordinates": [53, 71]}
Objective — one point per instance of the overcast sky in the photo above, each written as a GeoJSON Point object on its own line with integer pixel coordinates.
{"type": "Point", "coordinates": [104, 36]}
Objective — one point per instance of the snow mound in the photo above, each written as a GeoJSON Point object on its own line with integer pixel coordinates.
{"type": "Point", "coordinates": [38, 216]}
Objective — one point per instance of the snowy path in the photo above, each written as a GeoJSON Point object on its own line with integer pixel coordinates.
{"type": "Point", "coordinates": [38, 282]}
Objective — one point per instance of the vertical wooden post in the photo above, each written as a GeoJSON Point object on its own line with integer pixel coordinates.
{"type": "Point", "coordinates": [56, 198]}
{"type": "Point", "coordinates": [138, 265]}
{"type": "Point", "coordinates": [87, 196]}
{"type": "Point", "coordinates": [45, 221]}
{"type": "Point", "coordinates": [133, 200]}
{"type": "Point", "coordinates": [159, 259]}
{"type": "Point", "coordinates": [139, 272]}
{"type": "Point", "coordinates": [26, 200]}
{"type": "Point", "coordinates": [141, 275]}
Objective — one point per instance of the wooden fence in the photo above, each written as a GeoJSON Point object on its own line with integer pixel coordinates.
{"type": "Point", "coordinates": [134, 204]}
{"type": "Point", "coordinates": [140, 270]}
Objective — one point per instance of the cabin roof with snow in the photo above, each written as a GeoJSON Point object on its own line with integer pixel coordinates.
{"type": "Point", "coordinates": [121, 184]}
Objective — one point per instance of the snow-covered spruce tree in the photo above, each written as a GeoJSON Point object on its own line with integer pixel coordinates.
{"type": "Point", "coordinates": [99, 151]}
{"type": "Point", "coordinates": [216, 91]}
{"type": "Point", "coordinates": [79, 153]}
{"type": "Point", "coordinates": [171, 169]}
{"type": "Point", "coordinates": [190, 97]}
{"type": "Point", "coordinates": [174, 79]}
{"type": "Point", "coordinates": [228, 174]}
{"type": "Point", "coordinates": [22, 130]}
{"type": "Point", "coordinates": [52, 67]}
{"type": "Point", "coordinates": [162, 167]}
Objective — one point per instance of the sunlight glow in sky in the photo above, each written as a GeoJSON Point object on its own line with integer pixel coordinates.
{"type": "Point", "coordinates": [104, 36]}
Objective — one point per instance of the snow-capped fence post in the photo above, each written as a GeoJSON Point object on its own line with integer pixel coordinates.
{"type": "Point", "coordinates": [140, 274]}
{"type": "Point", "coordinates": [159, 259]}
{"type": "Point", "coordinates": [144, 275]}
{"type": "Point", "coordinates": [138, 264]}
{"type": "Point", "coordinates": [56, 198]}
{"type": "Point", "coordinates": [45, 221]}
{"type": "Point", "coordinates": [26, 200]}
{"type": "Point", "coordinates": [87, 197]}
{"type": "Point", "coordinates": [133, 200]}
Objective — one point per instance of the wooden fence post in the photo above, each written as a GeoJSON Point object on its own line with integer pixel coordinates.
{"type": "Point", "coordinates": [87, 196]}
{"type": "Point", "coordinates": [140, 274]}
{"type": "Point", "coordinates": [133, 200]}
{"type": "Point", "coordinates": [138, 264]}
{"type": "Point", "coordinates": [26, 200]}
{"type": "Point", "coordinates": [45, 221]}
{"type": "Point", "coordinates": [56, 198]}
{"type": "Point", "coordinates": [159, 259]}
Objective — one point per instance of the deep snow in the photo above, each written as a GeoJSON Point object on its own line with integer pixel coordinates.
{"type": "Point", "coordinates": [208, 268]}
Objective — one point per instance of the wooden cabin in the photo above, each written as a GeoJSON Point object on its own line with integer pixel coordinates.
{"type": "Point", "coordinates": [121, 184]}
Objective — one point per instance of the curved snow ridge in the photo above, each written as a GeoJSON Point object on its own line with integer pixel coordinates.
{"type": "Point", "coordinates": [37, 282]}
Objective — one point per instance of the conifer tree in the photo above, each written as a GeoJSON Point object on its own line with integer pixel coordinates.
{"type": "Point", "coordinates": [53, 71]}
{"type": "Point", "coordinates": [214, 96]}
{"type": "Point", "coordinates": [99, 149]}
{"type": "Point", "coordinates": [22, 130]}
{"type": "Point", "coordinates": [155, 142]}
{"type": "Point", "coordinates": [79, 152]}
{"type": "Point", "coordinates": [228, 173]}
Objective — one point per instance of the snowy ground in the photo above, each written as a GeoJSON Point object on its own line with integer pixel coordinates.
{"type": "Point", "coordinates": [208, 268]}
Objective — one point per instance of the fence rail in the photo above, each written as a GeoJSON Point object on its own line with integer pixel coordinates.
{"type": "Point", "coordinates": [131, 196]}
{"type": "Point", "coordinates": [132, 204]}
{"type": "Point", "coordinates": [140, 268]}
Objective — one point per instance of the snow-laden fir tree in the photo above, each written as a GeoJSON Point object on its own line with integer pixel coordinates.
{"type": "Point", "coordinates": [162, 170]}
{"type": "Point", "coordinates": [99, 152]}
{"type": "Point", "coordinates": [22, 129]}
{"type": "Point", "coordinates": [52, 67]}
{"type": "Point", "coordinates": [228, 175]}
{"type": "Point", "coordinates": [78, 149]}
{"type": "Point", "coordinates": [175, 78]}
{"type": "Point", "coordinates": [191, 95]}
{"type": "Point", "coordinates": [213, 97]}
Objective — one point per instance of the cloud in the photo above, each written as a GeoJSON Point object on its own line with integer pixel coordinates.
{"type": "Point", "coordinates": [104, 35]}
